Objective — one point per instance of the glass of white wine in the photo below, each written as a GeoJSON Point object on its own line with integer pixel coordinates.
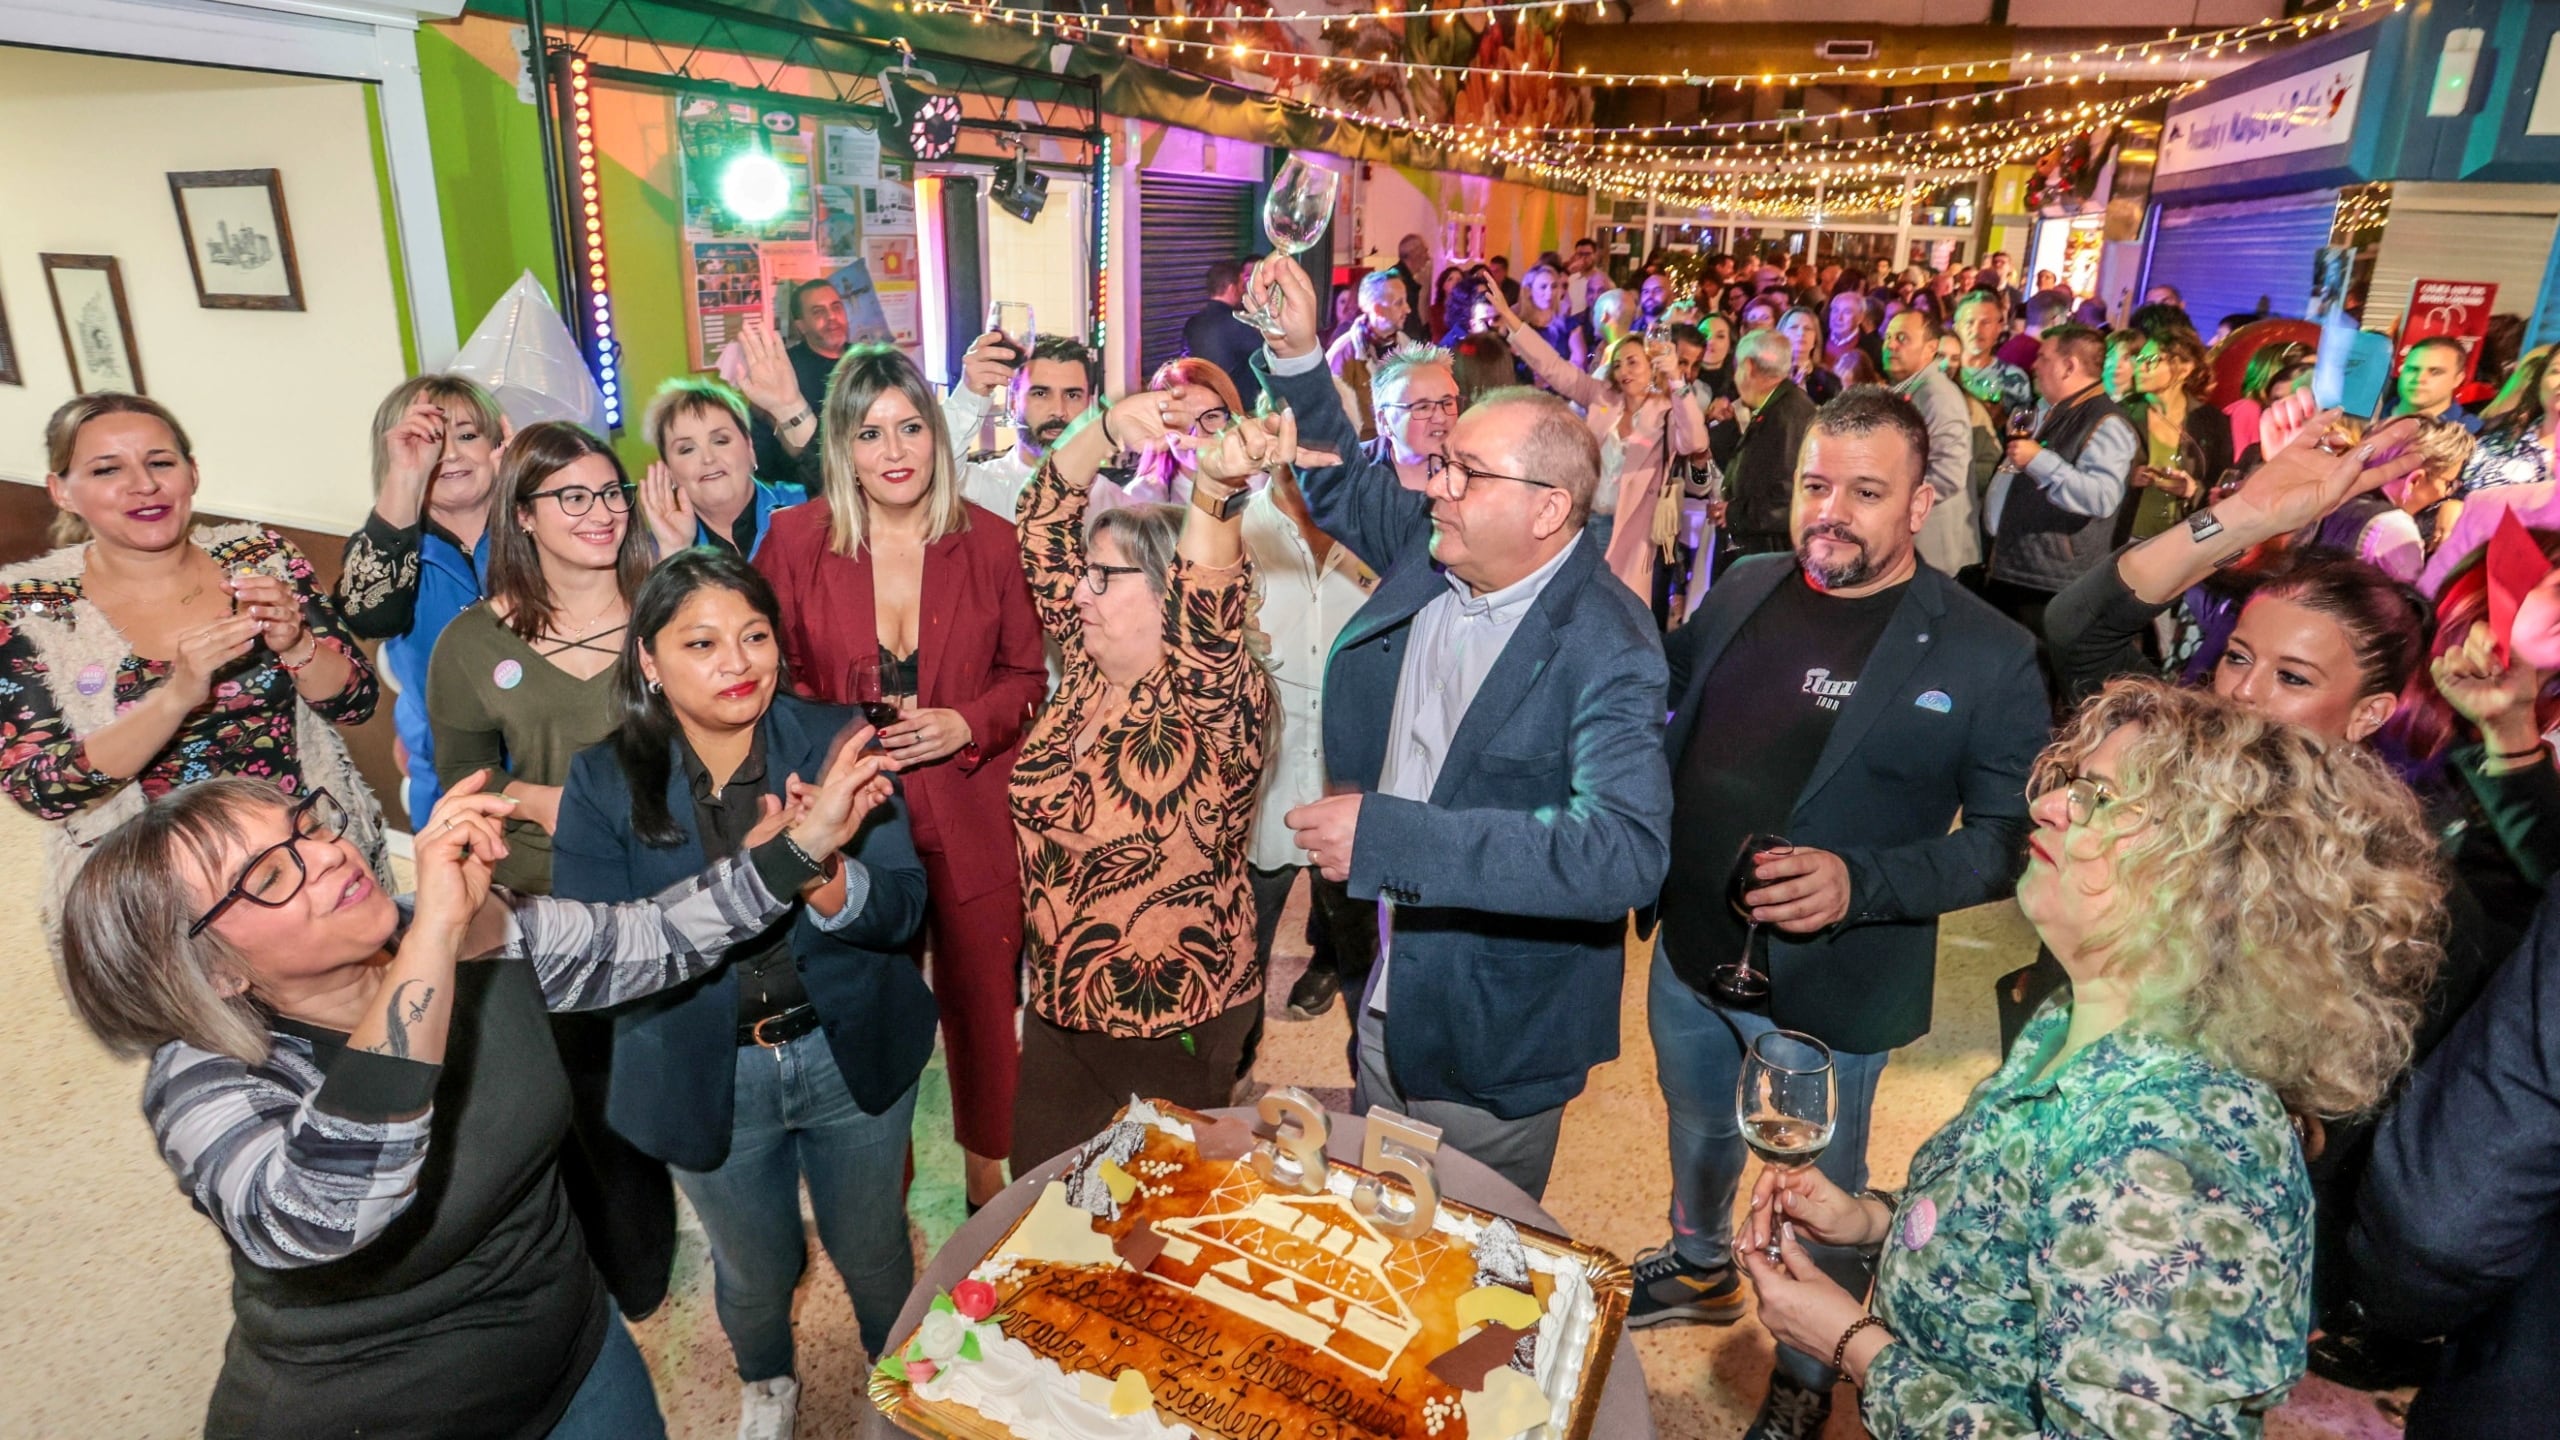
{"type": "Point", "coordinates": [1787, 1101]}
{"type": "Point", "coordinates": [1294, 217]}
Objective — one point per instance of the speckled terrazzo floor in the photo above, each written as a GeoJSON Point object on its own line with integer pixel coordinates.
{"type": "Point", "coordinates": [114, 1295]}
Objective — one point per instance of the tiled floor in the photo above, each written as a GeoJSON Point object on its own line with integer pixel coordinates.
{"type": "Point", "coordinates": [114, 1299]}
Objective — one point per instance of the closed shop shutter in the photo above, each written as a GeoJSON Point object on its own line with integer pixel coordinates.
{"type": "Point", "coordinates": [1186, 223]}
{"type": "Point", "coordinates": [2507, 248]}
{"type": "Point", "coordinates": [2224, 259]}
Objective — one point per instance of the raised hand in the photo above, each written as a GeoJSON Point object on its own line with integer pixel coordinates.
{"type": "Point", "coordinates": [455, 853]}
{"type": "Point", "coordinates": [1290, 298]}
{"type": "Point", "coordinates": [769, 383]}
{"type": "Point", "coordinates": [271, 602]}
{"type": "Point", "coordinates": [854, 784]}
{"type": "Point", "coordinates": [413, 447]}
{"type": "Point", "coordinates": [1249, 446]}
{"type": "Point", "coordinates": [668, 508]}
{"type": "Point", "coordinates": [205, 651]}
{"type": "Point", "coordinates": [2306, 480]}
{"type": "Point", "coordinates": [989, 364]}
{"type": "Point", "coordinates": [2496, 697]}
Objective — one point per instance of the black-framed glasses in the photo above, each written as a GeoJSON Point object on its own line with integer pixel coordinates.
{"type": "Point", "coordinates": [275, 875]}
{"type": "Point", "coordinates": [1213, 421]}
{"type": "Point", "coordinates": [1446, 405]}
{"type": "Point", "coordinates": [1098, 575]}
{"type": "Point", "coordinates": [577, 500]}
{"type": "Point", "coordinates": [1459, 476]}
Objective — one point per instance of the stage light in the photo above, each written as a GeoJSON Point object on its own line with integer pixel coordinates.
{"type": "Point", "coordinates": [754, 187]}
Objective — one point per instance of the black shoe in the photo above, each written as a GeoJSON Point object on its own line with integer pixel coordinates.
{"type": "Point", "coordinates": [2364, 1360]}
{"type": "Point", "coordinates": [1791, 1412]}
{"type": "Point", "coordinates": [1671, 1291]}
{"type": "Point", "coordinates": [1314, 993]}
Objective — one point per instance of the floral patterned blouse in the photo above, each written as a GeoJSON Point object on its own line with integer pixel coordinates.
{"type": "Point", "coordinates": [2122, 1249]}
{"type": "Point", "coordinates": [1139, 921]}
{"type": "Point", "coordinates": [248, 729]}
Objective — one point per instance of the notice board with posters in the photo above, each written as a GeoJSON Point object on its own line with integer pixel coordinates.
{"type": "Point", "coordinates": [849, 218]}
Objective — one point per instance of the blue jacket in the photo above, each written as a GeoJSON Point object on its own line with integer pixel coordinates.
{"type": "Point", "coordinates": [449, 582]}
{"type": "Point", "coordinates": [674, 1054]}
{"type": "Point", "coordinates": [1551, 818]}
{"type": "Point", "coordinates": [771, 495]}
{"type": "Point", "coordinates": [1949, 716]}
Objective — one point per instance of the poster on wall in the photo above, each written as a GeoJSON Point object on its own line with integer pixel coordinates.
{"type": "Point", "coordinates": [851, 156]}
{"type": "Point", "coordinates": [838, 221]}
{"type": "Point", "coordinates": [710, 134]}
{"type": "Point", "coordinates": [866, 321]}
{"type": "Point", "coordinates": [728, 291]}
{"type": "Point", "coordinates": [97, 329]}
{"type": "Point", "coordinates": [896, 276]}
{"type": "Point", "coordinates": [889, 207]}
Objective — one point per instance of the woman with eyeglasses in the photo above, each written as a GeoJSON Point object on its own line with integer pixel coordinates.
{"type": "Point", "coordinates": [896, 591]}
{"type": "Point", "coordinates": [373, 1125]}
{"type": "Point", "coordinates": [158, 653]}
{"type": "Point", "coordinates": [1645, 416]}
{"type": "Point", "coordinates": [1200, 400]}
{"type": "Point", "coordinates": [2114, 1238]}
{"type": "Point", "coordinates": [2186, 441]}
{"type": "Point", "coordinates": [1133, 799]}
{"type": "Point", "coordinates": [520, 683]}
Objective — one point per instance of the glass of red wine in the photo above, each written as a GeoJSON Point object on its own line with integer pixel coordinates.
{"type": "Point", "coordinates": [2022, 423]}
{"type": "Point", "coordinates": [1786, 1102]}
{"type": "Point", "coordinates": [862, 690]}
{"type": "Point", "coordinates": [1743, 982]}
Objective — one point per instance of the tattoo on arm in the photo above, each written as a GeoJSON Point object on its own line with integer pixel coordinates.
{"type": "Point", "coordinates": [401, 1012]}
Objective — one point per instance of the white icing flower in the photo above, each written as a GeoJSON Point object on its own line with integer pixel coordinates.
{"type": "Point", "coordinates": [940, 1334]}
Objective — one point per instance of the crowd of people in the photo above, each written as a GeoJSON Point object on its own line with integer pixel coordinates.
{"type": "Point", "coordinates": [836, 730]}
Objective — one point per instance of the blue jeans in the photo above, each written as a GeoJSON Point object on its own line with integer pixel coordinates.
{"type": "Point", "coordinates": [615, 1401]}
{"type": "Point", "coordinates": [1698, 1047]}
{"type": "Point", "coordinates": [795, 1119]}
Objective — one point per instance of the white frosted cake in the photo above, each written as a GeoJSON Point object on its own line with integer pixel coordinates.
{"type": "Point", "coordinates": [1161, 1287]}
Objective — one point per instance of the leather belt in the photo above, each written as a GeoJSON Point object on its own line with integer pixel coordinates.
{"type": "Point", "coordinates": [775, 1031]}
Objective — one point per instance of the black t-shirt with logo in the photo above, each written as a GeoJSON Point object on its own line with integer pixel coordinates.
{"type": "Point", "coordinates": [1765, 713]}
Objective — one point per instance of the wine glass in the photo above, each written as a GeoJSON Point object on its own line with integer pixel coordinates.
{"type": "Point", "coordinates": [1294, 216]}
{"type": "Point", "coordinates": [862, 689]}
{"type": "Point", "coordinates": [1785, 1102]}
{"type": "Point", "coordinates": [1741, 982]}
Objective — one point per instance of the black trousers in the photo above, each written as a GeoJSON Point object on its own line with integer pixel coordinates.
{"type": "Point", "coordinates": [1342, 931]}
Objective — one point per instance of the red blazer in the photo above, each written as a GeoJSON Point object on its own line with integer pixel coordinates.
{"type": "Point", "coordinates": [981, 655]}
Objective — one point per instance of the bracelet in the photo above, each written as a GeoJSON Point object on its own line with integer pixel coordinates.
{"type": "Point", "coordinates": [2537, 751]}
{"type": "Point", "coordinates": [816, 870]}
{"type": "Point", "coordinates": [1840, 1352]}
{"type": "Point", "coordinates": [794, 422]}
{"type": "Point", "coordinates": [1114, 440]}
{"type": "Point", "coordinates": [294, 668]}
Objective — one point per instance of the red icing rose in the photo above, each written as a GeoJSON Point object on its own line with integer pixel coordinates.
{"type": "Point", "coordinates": [974, 1299]}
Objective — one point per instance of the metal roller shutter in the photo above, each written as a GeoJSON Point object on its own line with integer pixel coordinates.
{"type": "Point", "coordinates": [1186, 223]}
{"type": "Point", "coordinates": [2223, 259]}
{"type": "Point", "coordinates": [2506, 248]}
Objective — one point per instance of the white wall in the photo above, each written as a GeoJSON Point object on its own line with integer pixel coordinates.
{"type": "Point", "coordinates": [277, 402]}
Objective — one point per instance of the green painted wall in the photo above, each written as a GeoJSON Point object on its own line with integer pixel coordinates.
{"type": "Point", "coordinates": [488, 164]}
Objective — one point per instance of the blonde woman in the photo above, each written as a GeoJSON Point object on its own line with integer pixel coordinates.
{"type": "Point", "coordinates": [1644, 416]}
{"type": "Point", "coordinates": [896, 590]}
{"type": "Point", "coordinates": [2113, 1238]}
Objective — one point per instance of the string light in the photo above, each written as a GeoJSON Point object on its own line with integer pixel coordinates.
{"type": "Point", "coordinates": [595, 304]}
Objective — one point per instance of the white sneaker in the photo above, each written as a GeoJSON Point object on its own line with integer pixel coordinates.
{"type": "Point", "coordinates": [767, 1409]}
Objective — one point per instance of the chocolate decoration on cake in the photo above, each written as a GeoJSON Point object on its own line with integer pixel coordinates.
{"type": "Point", "coordinates": [1141, 1245]}
{"type": "Point", "coordinates": [1488, 1349]}
{"type": "Point", "coordinates": [1500, 1260]}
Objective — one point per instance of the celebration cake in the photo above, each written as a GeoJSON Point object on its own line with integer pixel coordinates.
{"type": "Point", "coordinates": [1187, 1275]}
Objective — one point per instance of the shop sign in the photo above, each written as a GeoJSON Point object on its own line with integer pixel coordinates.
{"type": "Point", "coordinates": [2308, 110]}
{"type": "Point", "coordinates": [2457, 309]}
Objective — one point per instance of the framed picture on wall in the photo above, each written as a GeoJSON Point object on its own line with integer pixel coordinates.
{"type": "Point", "coordinates": [239, 243]}
{"type": "Point", "coordinates": [10, 374]}
{"type": "Point", "coordinates": [97, 329]}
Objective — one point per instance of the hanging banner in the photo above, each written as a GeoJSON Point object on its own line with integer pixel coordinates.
{"type": "Point", "coordinates": [2308, 110]}
{"type": "Point", "coordinates": [2452, 309]}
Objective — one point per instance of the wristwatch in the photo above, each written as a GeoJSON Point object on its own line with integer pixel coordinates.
{"type": "Point", "coordinates": [2202, 526]}
{"type": "Point", "coordinates": [1222, 507]}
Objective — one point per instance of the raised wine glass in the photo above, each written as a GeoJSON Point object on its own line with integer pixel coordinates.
{"type": "Point", "coordinates": [1743, 982]}
{"type": "Point", "coordinates": [1294, 217]}
{"type": "Point", "coordinates": [1786, 1102]}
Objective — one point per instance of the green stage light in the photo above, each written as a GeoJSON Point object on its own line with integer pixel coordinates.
{"type": "Point", "coordinates": [754, 187]}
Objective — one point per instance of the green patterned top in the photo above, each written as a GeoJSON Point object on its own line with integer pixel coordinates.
{"type": "Point", "coordinates": [2121, 1248]}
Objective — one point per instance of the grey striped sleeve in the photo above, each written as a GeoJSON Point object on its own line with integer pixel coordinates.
{"type": "Point", "coordinates": [275, 1155]}
{"type": "Point", "coordinates": [588, 956]}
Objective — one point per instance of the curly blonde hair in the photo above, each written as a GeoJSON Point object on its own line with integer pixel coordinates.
{"type": "Point", "coordinates": [2280, 900]}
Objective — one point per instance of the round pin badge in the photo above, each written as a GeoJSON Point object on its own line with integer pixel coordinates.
{"type": "Point", "coordinates": [1919, 1222]}
{"type": "Point", "coordinates": [93, 678]}
{"type": "Point", "coordinates": [509, 674]}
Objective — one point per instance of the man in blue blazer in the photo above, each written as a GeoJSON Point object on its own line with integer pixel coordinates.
{"type": "Point", "coordinates": [1852, 704]}
{"type": "Point", "coordinates": [1497, 705]}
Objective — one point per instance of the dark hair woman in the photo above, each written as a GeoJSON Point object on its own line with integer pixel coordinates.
{"type": "Point", "coordinates": [159, 653]}
{"type": "Point", "coordinates": [423, 551]}
{"type": "Point", "coordinates": [797, 1059]}
{"type": "Point", "coordinates": [372, 1124]}
{"type": "Point", "coordinates": [2187, 442]}
{"type": "Point", "coordinates": [896, 590]}
{"type": "Point", "coordinates": [520, 683]}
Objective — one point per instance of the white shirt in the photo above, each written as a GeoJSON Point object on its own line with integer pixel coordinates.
{"type": "Point", "coordinates": [994, 483]}
{"type": "Point", "coordinates": [1302, 604]}
{"type": "Point", "coordinates": [1456, 640]}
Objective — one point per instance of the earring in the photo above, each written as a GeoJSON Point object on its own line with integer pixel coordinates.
{"type": "Point", "coordinates": [656, 688]}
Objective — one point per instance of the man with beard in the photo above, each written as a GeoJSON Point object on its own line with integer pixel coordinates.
{"type": "Point", "coordinates": [1061, 382]}
{"type": "Point", "coordinates": [1367, 340]}
{"type": "Point", "coordinates": [819, 331]}
{"type": "Point", "coordinates": [1857, 703]}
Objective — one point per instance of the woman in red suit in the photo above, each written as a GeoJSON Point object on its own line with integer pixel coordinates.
{"type": "Point", "coordinates": [894, 588]}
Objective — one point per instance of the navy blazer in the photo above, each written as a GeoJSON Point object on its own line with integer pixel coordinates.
{"type": "Point", "coordinates": [675, 1053]}
{"type": "Point", "coordinates": [1948, 719]}
{"type": "Point", "coordinates": [1551, 818]}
